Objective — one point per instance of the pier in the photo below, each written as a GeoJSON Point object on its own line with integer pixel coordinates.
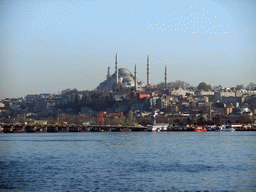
{"type": "Point", "coordinates": [27, 128]}
{"type": "Point", "coordinates": [51, 128]}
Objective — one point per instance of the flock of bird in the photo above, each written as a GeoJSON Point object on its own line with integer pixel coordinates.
{"type": "Point", "coordinates": [196, 23]}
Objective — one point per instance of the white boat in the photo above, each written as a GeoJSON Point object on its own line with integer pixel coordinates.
{"type": "Point", "coordinates": [236, 127]}
{"type": "Point", "coordinates": [158, 127]}
{"type": "Point", "coordinates": [227, 128]}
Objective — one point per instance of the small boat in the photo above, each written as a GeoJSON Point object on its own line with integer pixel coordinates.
{"type": "Point", "coordinates": [219, 128]}
{"type": "Point", "coordinates": [211, 127]}
{"type": "Point", "coordinates": [227, 128]}
{"type": "Point", "coordinates": [200, 129]}
{"type": "Point", "coordinates": [237, 127]}
{"type": "Point", "coordinates": [157, 127]}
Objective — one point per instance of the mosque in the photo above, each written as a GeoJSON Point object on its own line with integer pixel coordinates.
{"type": "Point", "coordinates": [124, 77]}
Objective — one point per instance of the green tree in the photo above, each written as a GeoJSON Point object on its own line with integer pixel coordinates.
{"type": "Point", "coordinates": [178, 83]}
{"type": "Point", "coordinates": [204, 86]}
{"type": "Point", "coordinates": [251, 86]}
{"type": "Point", "coordinates": [98, 101]}
{"type": "Point", "coordinates": [245, 119]}
{"type": "Point", "coordinates": [240, 87]}
{"type": "Point", "coordinates": [131, 118]}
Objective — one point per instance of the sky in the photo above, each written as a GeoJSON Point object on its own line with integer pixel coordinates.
{"type": "Point", "coordinates": [47, 46]}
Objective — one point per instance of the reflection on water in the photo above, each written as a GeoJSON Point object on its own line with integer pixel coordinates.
{"type": "Point", "coordinates": [128, 161]}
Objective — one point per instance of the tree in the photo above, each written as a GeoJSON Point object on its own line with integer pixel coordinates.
{"type": "Point", "coordinates": [251, 86]}
{"type": "Point", "coordinates": [240, 87]}
{"type": "Point", "coordinates": [120, 88]}
{"type": "Point", "coordinates": [131, 118]}
{"type": "Point", "coordinates": [98, 101]}
{"type": "Point", "coordinates": [245, 119]}
{"type": "Point", "coordinates": [115, 121]}
{"type": "Point", "coordinates": [192, 88]}
{"type": "Point", "coordinates": [173, 85]}
{"type": "Point", "coordinates": [160, 85]}
{"type": "Point", "coordinates": [179, 83]}
{"type": "Point", "coordinates": [204, 86]}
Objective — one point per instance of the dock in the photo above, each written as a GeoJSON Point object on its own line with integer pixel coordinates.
{"type": "Point", "coordinates": [54, 128]}
{"type": "Point", "coordinates": [28, 128]}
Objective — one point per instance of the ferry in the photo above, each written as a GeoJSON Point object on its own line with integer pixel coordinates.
{"type": "Point", "coordinates": [228, 128]}
{"type": "Point", "coordinates": [157, 127]}
{"type": "Point", "coordinates": [237, 127]}
{"type": "Point", "coordinates": [232, 127]}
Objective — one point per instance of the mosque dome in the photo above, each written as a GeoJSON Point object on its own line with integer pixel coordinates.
{"type": "Point", "coordinates": [124, 72]}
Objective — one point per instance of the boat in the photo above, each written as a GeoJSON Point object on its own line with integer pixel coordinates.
{"type": "Point", "coordinates": [211, 127]}
{"type": "Point", "coordinates": [237, 127]}
{"type": "Point", "coordinates": [228, 128]}
{"type": "Point", "coordinates": [219, 128]}
{"type": "Point", "coordinates": [157, 127]}
{"type": "Point", "coordinates": [200, 129]}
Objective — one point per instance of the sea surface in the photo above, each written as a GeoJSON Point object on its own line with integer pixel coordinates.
{"type": "Point", "coordinates": [128, 161]}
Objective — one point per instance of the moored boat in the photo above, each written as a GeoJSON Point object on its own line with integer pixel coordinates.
{"type": "Point", "coordinates": [219, 128]}
{"type": "Point", "coordinates": [200, 129]}
{"type": "Point", "coordinates": [227, 128]}
{"type": "Point", "coordinates": [158, 127]}
{"type": "Point", "coordinates": [211, 127]}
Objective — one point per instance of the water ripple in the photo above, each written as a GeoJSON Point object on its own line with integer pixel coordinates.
{"type": "Point", "coordinates": [128, 162]}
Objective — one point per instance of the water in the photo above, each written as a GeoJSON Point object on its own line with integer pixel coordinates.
{"type": "Point", "coordinates": [128, 161]}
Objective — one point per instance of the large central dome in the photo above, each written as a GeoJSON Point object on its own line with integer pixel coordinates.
{"type": "Point", "coordinates": [124, 72]}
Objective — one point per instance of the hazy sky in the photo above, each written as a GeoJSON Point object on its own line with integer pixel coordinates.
{"type": "Point", "coordinates": [50, 45]}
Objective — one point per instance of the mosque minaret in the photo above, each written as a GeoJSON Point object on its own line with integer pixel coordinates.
{"type": "Point", "coordinates": [148, 72]}
{"type": "Point", "coordinates": [116, 69]}
{"type": "Point", "coordinates": [108, 75]}
{"type": "Point", "coordinates": [165, 78]}
{"type": "Point", "coordinates": [135, 74]}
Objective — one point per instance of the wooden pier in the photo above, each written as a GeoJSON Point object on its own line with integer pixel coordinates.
{"type": "Point", "coordinates": [22, 128]}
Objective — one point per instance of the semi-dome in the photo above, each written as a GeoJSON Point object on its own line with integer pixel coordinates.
{"type": "Point", "coordinates": [128, 79]}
